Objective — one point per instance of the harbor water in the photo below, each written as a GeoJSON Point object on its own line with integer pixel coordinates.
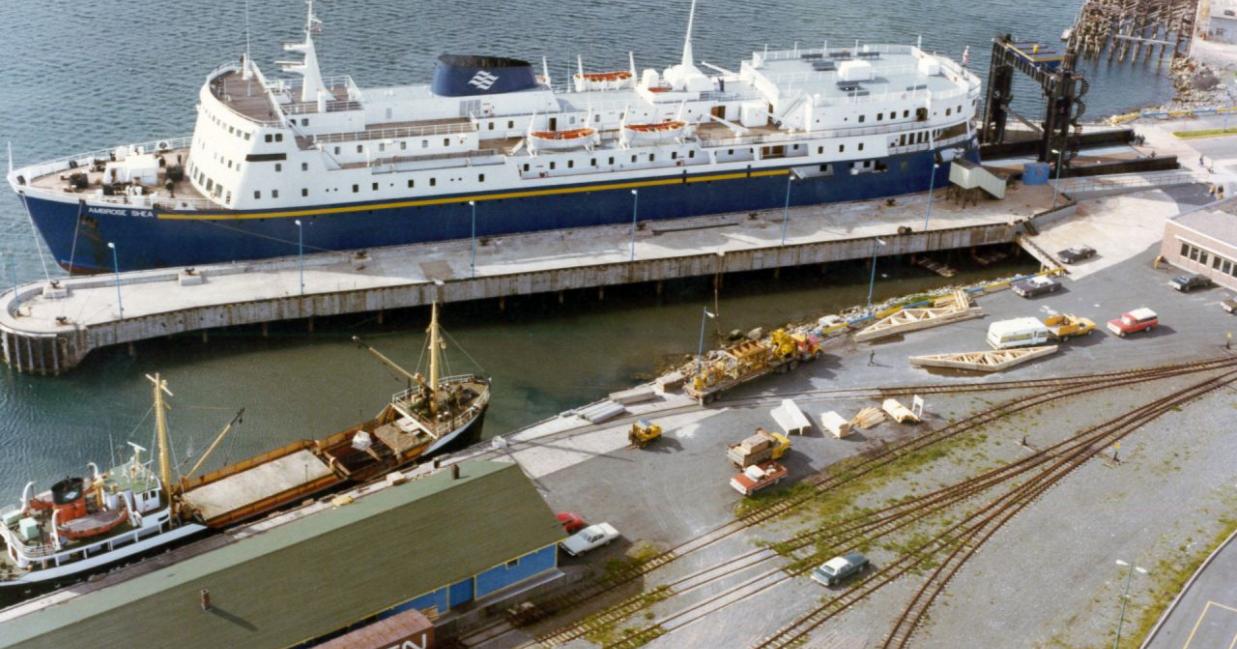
{"type": "Point", "coordinates": [84, 76]}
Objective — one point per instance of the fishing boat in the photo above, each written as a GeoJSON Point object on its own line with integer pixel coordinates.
{"type": "Point", "coordinates": [83, 525]}
{"type": "Point", "coordinates": [397, 164]}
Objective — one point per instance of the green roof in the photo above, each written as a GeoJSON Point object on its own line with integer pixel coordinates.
{"type": "Point", "coordinates": [313, 575]}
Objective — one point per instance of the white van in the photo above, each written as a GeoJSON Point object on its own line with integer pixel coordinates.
{"type": "Point", "coordinates": [1019, 332]}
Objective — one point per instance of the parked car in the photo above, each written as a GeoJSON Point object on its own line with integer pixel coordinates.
{"type": "Point", "coordinates": [1187, 283]}
{"type": "Point", "coordinates": [589, 538]}
{"type": "Point", "coordinates": [571, 522]}
{"type": "Point", "coordinates": [1075, 254]}
{"type": "Point", "coordinates": [837, 569]}
{"type": "Point", "coordinates": [1229, 305]}
{"type": "Point", "coordinates": [1142, 319]}
{"type": "Point", "coordinates": [1033, 286]}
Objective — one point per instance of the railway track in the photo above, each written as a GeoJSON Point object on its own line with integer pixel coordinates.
{"type": "Point", "coordinates": [882, 522]}
{"type": "Point", "coordinates": [963, 539]}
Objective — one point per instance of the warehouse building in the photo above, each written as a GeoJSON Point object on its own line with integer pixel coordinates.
{"type": "Point", "coordinates": [1204, 241]}
{"type": "Point", "coordinates": [472, 536]}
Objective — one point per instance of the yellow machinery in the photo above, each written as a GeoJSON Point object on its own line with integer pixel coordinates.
{"type": "Point", "coordinates": [1065, 326]}
{"type": "Point", "coordinates": [643, 433]}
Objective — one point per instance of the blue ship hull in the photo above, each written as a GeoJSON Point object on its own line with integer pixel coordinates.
{"type": "Point", "coordinates": [77, 235]}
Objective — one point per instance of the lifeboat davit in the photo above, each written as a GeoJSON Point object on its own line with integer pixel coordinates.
{"type": "Point", "coordinates": [576, 138]}
{"type": "Point", "coordinates": [654, 132]}
{"type": "Point", "coordinates": [602, 80]}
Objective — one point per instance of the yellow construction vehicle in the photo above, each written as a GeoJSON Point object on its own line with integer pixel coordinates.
{"type": "Point", "coordinates": [761, 447]}
{"type": "Point", "coordinates": [643, 432]}
{"type": "Point", "coordinates": [1064, 326]}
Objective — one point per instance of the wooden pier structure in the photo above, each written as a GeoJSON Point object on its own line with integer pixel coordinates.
{"type": "Point", "coordinates": [1131, 30]}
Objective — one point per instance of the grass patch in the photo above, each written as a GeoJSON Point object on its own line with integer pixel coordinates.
{"type": "Point", "coordinates": [638, 555]}
{"type": "Point", "coordinates": [609, 633]}
{"type": "Point", "coordinates": [1206, 132]}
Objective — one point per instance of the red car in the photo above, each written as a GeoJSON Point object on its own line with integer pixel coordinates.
{"type": "Point", "coordinates": [1143, 319]}
{"type": "Point", "coordinates": [571, 523]}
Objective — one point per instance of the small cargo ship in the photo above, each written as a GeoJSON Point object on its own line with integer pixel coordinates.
{"type": "Point", "coordinates": [82, 525]}
{"type": "Point", "coordinates": [405, 164]}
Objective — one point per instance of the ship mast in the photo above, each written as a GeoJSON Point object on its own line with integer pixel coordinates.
{"type": "Point", "coordinates": [434, 350]}
{"type": "Point", "coordinates": [161, 427]}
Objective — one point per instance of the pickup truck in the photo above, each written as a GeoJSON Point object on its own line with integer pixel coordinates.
{"type": "Point", "coordinates": [1064, 326]}
{"type": "Point", "coordinates": [837, 569]}
{"type": "Point", "coordinates": [1033, 286]}
{"type": "Point", "coordinates": [1229, 305]}
{"type": "Point", "coordinates": [754, 478]}
{"type": "Point", "coordinates": [1143, 319]}
{"type": "Point", "coordinates": [589, 538]}
{"type": "Point", "coordinates": [761, 447]}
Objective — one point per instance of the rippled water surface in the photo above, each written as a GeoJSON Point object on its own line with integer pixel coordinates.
{"type": "Point", "coordinates": [78, 76]}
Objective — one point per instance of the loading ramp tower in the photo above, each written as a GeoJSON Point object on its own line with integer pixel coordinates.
{"type": "Point", "coordinates": [1062, 86]}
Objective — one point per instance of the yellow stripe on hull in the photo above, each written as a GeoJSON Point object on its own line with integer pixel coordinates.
{"type": "Point", "coordinates": [321, 211]}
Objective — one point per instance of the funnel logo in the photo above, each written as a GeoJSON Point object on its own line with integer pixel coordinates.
{"type": "Point", "coordinates": [482, 80]}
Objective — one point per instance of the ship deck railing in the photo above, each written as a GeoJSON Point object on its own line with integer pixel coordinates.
{"type": "Point", "coordinates": [799, 53]}
{"type": "Point", "coordinates": [454, 127]}
{"type": "Point", "coordinates": [38, 170]}
{"type": "Point", "coordinates": [42, 553]}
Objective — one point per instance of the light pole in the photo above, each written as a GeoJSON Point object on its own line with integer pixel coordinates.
{"type": "Point", "coordinates": [786, 210]}
{"type": "Point", "coordinates": [704, 317]}
{"type": "Point", "coordinates": [1125, 597]}
{"type": "Point", "coordinates": [120, 305]}
{"type": "Point", "coordinates": [1060, 155]}
{"type": "Point", "coordinates": [931, 180]}
{"type": "Point", "coordinates": [635, 204]}
{"type": "Point", "coordinates": [300, 253]}
{"type": "Point", "coordinates": [473, 264]}
{"type": "Point", "coordinates": [872, 283]}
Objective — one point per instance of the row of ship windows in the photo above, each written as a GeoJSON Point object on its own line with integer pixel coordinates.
{"type": "Point", "coordinates": [403, 146]}
{"type": "Point", "coordinates": [1226, 266]}
{"type": "Point", "coordinates": [356, 187]}
{"type": "Point", "coordinates": [652, 157]}
{"type": "Point", "coordinates": [232, 130]}
{"type": "Point", "coordinates": [906, 114]}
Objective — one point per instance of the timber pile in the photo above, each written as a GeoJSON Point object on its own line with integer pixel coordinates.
{"type": "Point", "coordinates": [1130, 29]}
{"type": "Point", "coordinates": [867, 418]}
{"type": "Point", "coordinates": [985, 361]}
{"type": "Point", "coordinates": [946, 310]}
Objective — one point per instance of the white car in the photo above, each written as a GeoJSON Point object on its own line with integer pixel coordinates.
{"type": "Point", "coordinates": [589, 538]}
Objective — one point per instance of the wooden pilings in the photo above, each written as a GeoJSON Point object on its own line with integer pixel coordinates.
{"type": "Point", "coordinates": [1127, 30]}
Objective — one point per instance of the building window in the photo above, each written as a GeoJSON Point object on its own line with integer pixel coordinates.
{"type": "Point", "coordinates": [279, 137]}
{"type": "Point", "coordinates": [880, 117]}
{"type": "Point", "coordinates": [692, 154]}
{"type": "Point", "coordinates": [513, 563]}
{"type": "Point", "coordinates": [1215, 262]}
{"type": "Point", "coordinates": [820, 150]}
{"type": "Point", "coordinates": [525, 166]}
{"type": "Point", "coordinates": [948, 112]}
{"type": "Point", "coordinates": [304, 192]}
{"type": "Point", "coordinates": [1185, 249]}
{"type": "Point", "coordinates": [278, 167]}
{"type": "Point", "coordinates": [491, 125]}
{"type": "Point", "coordinates": [411, 183]}
{"type": "Point", "coordinates": [257, 195]}
{"type": "Point", "coordinates": [905, 114]}
{"type": "Point", "coordinates": [1202, 258]}
{"type": "Point", "coordinates": [304, 121]}
{"type": "Point", "coordinates": [336, 150]}
{"type": "Point", "coordinates": [374, 187]}
{"type": "Point", "coordinates": [861, 146]}
{"type": "Point", "coordinates": [268, 137]}
{"type": "Point", "coordinates": [304, 166]}
{"type": "Point", "coordinates": [403, 146]}
{"type": "Point", "coordinates": [359, 148]}
{"type": "Point", "coordinates": [433, 182]}
{"type": "Point", "coordinates": [446, 141]}
{"type": "Point", "coordinates": [425, 144]}
{"type": "Point", "coordinates": [356, 188]}
{"type": "Point", "coordinates": [593, 162]}
{"type": "Point", "coordinates": [861, 118]}
{"type": "Point", "coordinates": [274, 193]}
{"type": "Point", "coordinates": [480, 178]}
{"type": "Point", "coordinates": [674, 155]}
{"type": "Point", "coordinates": [571, 164]}
{"type": "Point", "coordinates": [1228, 267]}
{"type": "Point", "coordinates": [510, 124]}
{"type": "Point", "coordinates": [841, 148]}
{"type": "Point", "coordinates": [246, 137]}
{"type": "Point", "coordinates": [382, 146]}
{"type": "Point", "coordinates": [652, 157]}
{"type": "Point", "coordinates": [552, 165]}
{"type": "Point", "coordinates": [611, 159]}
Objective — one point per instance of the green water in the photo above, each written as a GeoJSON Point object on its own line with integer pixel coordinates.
{"type": "Point", "coordinates": [544, 357]}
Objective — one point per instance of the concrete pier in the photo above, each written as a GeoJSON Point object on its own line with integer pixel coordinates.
{"type": "Point", "coordinates": [47, 329]}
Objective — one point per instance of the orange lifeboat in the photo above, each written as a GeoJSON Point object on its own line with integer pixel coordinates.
{"type": "Point", "coordinates": [602, 80]}
{"type": "Point", "coordinates": [93, 524]}
{"type": "Point", "coordinates": [562, 140]}
{"type": "Point", "coordinates": [653, 132]}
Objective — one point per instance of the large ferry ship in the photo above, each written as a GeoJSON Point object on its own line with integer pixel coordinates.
{"type": "Point", "coordinates": [491, 147]}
